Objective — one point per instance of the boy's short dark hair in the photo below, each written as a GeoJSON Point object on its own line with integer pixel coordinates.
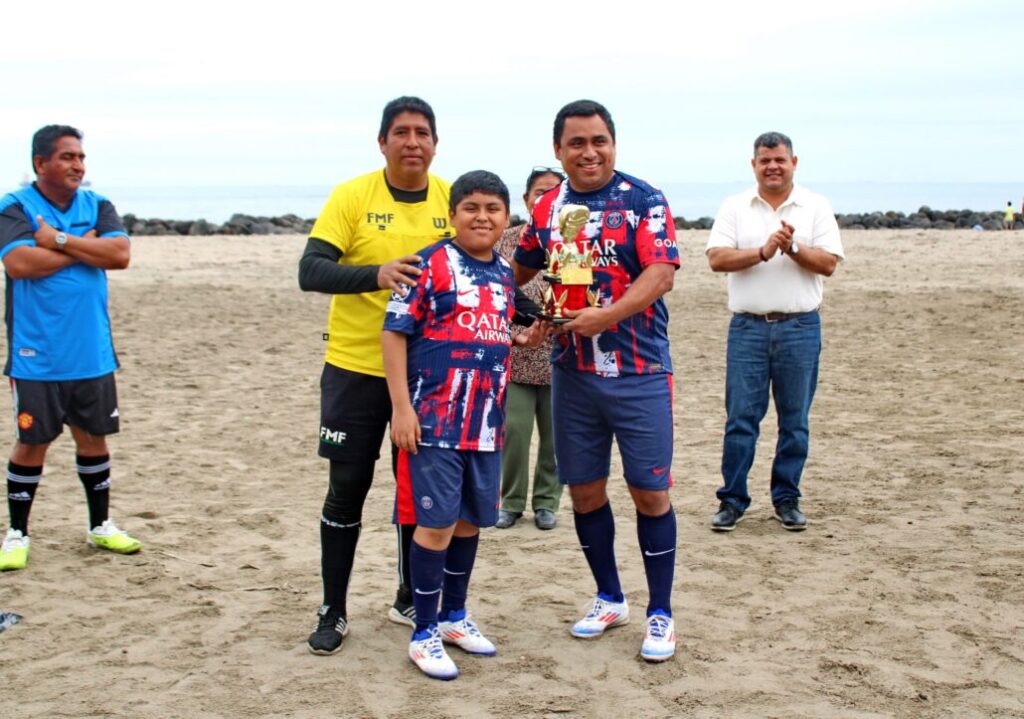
{"type": "Point", "coordinates": [582, 108]}
{"type": "Point", "coordinates": [406, 103]}
{"type": "Point", "coordinates": [44, 142]}
{"type": "Point", "coordinates": [477, 181]}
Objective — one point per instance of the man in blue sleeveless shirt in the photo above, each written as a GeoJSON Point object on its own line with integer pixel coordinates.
{"type": "Point", "coordinates": [56, 243]}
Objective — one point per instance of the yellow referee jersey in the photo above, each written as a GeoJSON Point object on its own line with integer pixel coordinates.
{"type": "Point", "coordinates": [370, 227]}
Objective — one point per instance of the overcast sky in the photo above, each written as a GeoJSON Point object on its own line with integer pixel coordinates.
{"type": "Point", "coordinates": [191, 93]}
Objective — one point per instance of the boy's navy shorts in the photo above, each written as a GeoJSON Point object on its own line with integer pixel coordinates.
{"type": "Point", "coordinates": [588, 410]}
{"type": "Point", "coordinates": [437, 487]}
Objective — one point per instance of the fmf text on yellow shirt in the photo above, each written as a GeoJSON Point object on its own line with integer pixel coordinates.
{"type": "Point", "coordinates": [370, 227]}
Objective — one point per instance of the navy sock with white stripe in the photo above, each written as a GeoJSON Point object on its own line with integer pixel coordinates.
{"type": "Point", "coordinates": [22, 483]}
{"type": "Point", "coordinates": [596, 532]}
{"type": "Point", "coordinates": [458, 567]}
{"type": "Point", "coordinates": [95, 475]}
{"type": "Point", "coordinates": [657, 536]}
{"type": "Point", "coordinates": [427, 566]}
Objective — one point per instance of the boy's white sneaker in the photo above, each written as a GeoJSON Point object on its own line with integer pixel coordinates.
{"type": "Point", "coordinates": [459, 629]}
{"type": "Point", "coordinates": [427, 652]}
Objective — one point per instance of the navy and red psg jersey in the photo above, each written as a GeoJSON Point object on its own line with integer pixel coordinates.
{"type": "Point", "coordinates": [630, 227]}
{"type": "Point", "coordinates": [457, 319]}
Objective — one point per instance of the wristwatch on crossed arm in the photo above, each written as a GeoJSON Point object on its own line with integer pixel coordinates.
{"type": "Point", "coordinates": [61, 240]}
{"type": "Point", "coordinates": [794, 247]}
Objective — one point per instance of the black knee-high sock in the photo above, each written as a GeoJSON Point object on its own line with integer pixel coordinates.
{"type": "Point", "coordinates": [22, 483]}
{"type": "Point", "coordinates": [405, 532]}
{"type": "Point", "coordinates": [95, 475]}
{"type": "Point", "coordinates": [337, 555]}
{"type": "Point", "coordinates": [340, 525]}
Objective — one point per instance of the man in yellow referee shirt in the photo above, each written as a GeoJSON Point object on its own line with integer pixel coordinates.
{"type": "Point", "coordinates": [361, 248]}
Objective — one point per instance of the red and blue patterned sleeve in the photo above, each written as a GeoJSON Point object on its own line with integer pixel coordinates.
{"type": "Point", "coordinates": [530, 252]}
{"type": "Point", "coordinates": [404, 313]}
{"type": "Point", "coordinates": [656, 232]}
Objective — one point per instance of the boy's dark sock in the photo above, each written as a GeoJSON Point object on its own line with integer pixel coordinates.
{"type": "Point", "coordinates": [22, 483]}
{"type": "Point", "coordinates": [338, 542]}
{"type": "Point", "coordinates": [458, 567]}
{"type": "Point", "coordinates": [596, 532]}
{"type": "Point", "coordinates": [657, 537]}
{"type": "Point", "coordinates": [427, 568]}
{"type": "Point", "coordinates": [94, 472]}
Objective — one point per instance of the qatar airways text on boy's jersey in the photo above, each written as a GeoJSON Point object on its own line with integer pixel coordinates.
{"type": "Point", "coordinates": [630, 227]}
{"type": "Point", "coordinates": [457, 320]}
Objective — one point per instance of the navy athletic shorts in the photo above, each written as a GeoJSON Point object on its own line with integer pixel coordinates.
{"type": "Point", "coordinates": [587, 410]}
{"type": "Point", "coordinates": [437, 487]}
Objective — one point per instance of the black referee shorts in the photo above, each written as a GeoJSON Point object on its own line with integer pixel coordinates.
{"type": "Point", "coordinates": [355, 410]}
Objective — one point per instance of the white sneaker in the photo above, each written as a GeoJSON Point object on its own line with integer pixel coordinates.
{"type": "Point", "coordinates": [429, 656]}
{"type": "Point", "coordinates": [14, 551]}
{"type": "Point", "coordinates": [604, 614]}
{"type": "Point", "coordinates": [659, 638]}
{"type": "Point", "coordinates": [462, 631]}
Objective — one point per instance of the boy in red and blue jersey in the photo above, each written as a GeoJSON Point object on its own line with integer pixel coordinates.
{"type": "Point", "coordinates": [612, 373]}
{"type": "Point", "coordinates": [446, 357]}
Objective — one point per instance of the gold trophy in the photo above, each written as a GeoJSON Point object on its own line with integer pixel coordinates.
{"type": "Point", "coordinates": [568, 267]}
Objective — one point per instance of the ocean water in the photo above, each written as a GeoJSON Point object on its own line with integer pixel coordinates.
{"type": "Point", "coordinates": [689, 200]}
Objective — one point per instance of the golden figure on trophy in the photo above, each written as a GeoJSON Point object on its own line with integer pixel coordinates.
{"type": "Point", "coordinates": [570, 270]}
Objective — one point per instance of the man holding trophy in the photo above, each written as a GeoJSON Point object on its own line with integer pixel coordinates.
{"type": "Point", "coordinates": [606, 242]}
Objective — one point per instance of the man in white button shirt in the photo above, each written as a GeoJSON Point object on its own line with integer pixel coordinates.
{"type": "Point", "coordinates": [777, 242]}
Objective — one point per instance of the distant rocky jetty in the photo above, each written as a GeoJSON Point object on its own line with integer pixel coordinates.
{"type": "Point", "coordinates": [924, 218]}
{"type": "Point", "coordinates": [238, 225]}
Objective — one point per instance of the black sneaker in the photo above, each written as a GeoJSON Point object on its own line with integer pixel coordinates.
{"type": "Point", "coordinates": [726, 519]}
{"type": "Point", "coordinates": [331, 629]}
{"type": "Point", "coordinates": [402, 611]}
{"type": "Point", "coordinates": [788, 512]}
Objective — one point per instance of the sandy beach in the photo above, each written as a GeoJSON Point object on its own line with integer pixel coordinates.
{"type": "Point", "coordinates": [902, 599]}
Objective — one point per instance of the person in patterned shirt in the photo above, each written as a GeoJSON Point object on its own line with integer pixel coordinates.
{"type": "Point", "coordinates": [446, 358]}
{"type": "Point", "coordinates": [612, 374]}
{"type": "Point", "coordinates": [529, 398]}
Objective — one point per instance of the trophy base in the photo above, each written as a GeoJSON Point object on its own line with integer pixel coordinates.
{"type": "Point", "coordinates": [552, 319]}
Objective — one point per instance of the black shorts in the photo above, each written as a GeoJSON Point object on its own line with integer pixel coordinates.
{"type": "Point", "coordinates": [355, 410]}
{"type": "Point", "coordinates": [41, 409]}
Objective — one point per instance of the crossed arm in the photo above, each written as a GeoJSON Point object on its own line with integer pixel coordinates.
{"type": "Point", "coordinates": [31, 263]}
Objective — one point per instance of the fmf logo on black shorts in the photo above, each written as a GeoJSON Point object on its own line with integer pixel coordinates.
{"type": "Point", "coordinates": [330, 436]}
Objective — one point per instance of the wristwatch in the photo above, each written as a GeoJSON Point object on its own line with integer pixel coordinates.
{"type": "Point", "coordinates": [794, 248]}
{"type": "Point", "coordinates": [61, 240]}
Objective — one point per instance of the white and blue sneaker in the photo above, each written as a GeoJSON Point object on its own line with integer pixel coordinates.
{"type": "Point", "coordinates": [604, 614]}
{"type": "Point", "coordinates": [659, 637]}
{"type": "Point", "coordinates": [427, 652]}
{"type": "Point", "coordinates": [459, 629]}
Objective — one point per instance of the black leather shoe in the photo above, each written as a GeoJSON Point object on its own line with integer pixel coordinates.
{"type": "Point", "coordinates": [507, 519]}
{"type": "Point", "coordinates": [726, 519]}
{"type": "Point", "coordinates": [788, 512]}
{"type": "Point", "coordinates": [545, 519]}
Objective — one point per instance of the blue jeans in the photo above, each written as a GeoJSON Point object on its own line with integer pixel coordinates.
{"type": "Point", "coordinates": [782, 356]}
